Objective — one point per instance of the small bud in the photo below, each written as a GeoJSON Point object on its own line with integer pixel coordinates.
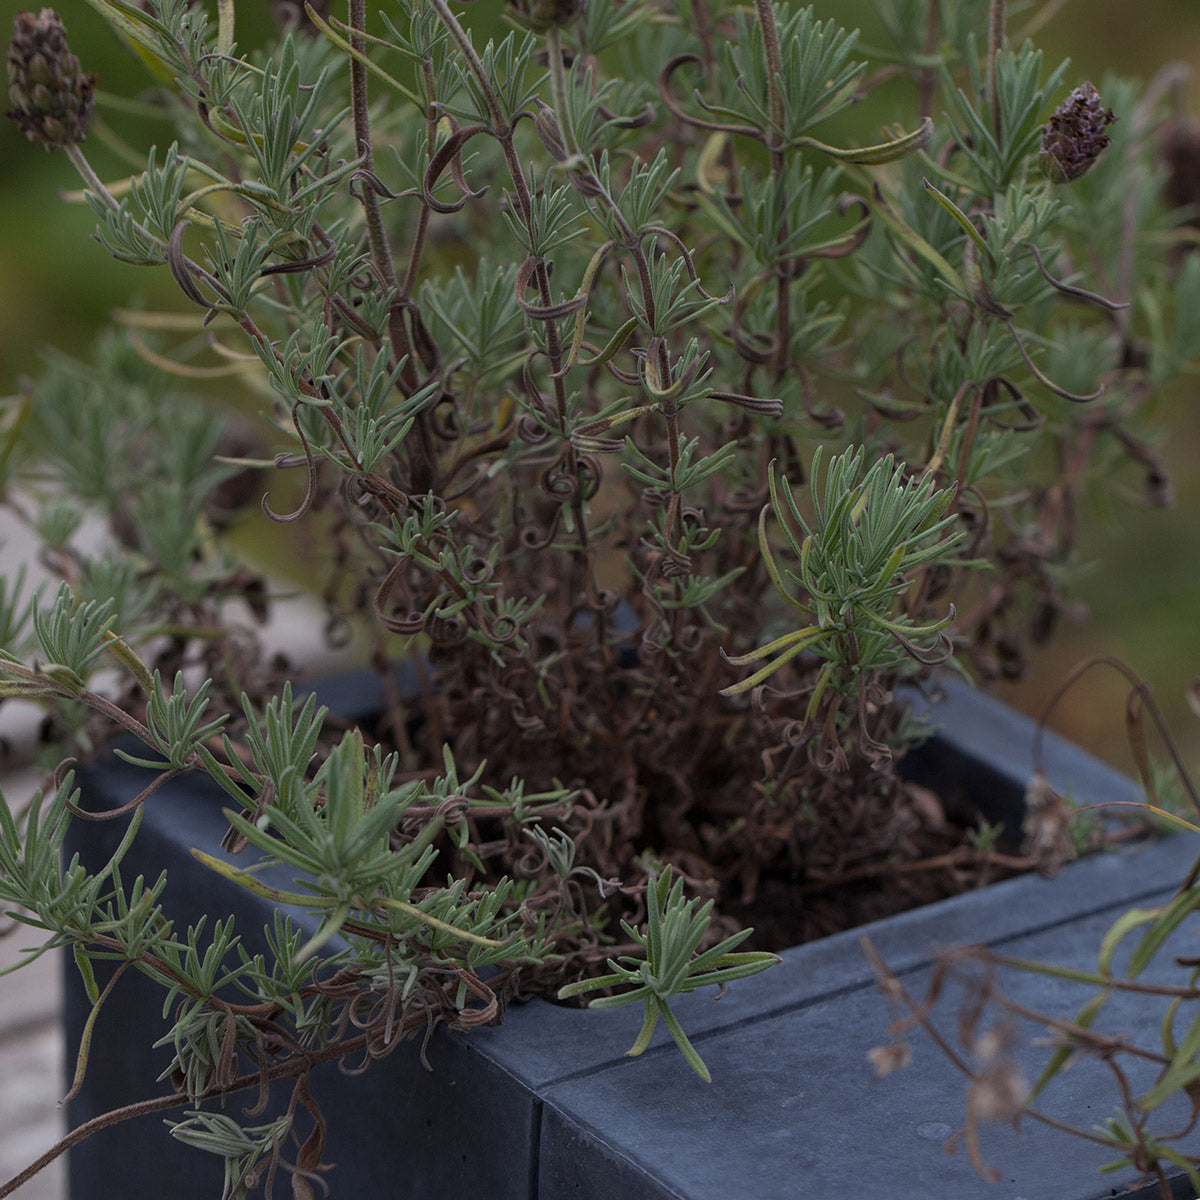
{"type": "Point", "coordinates": [51, 95]}
{"type": "Point", "coordinates": [1075, 138]}
{"type": "Point", "coordinates": [541, 15]}
{"type": "Point", "coordinates": [550, 132]}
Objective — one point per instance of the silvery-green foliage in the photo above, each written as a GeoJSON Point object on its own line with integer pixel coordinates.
{"type": "Point", "coordinates": [606, 352]}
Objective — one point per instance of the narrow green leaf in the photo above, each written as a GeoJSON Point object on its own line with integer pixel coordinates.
{"type": "Point", "coordinates": [244, 878]}
{"type": "Point", "coordinates": [1084, 1018]}
{"type": "Point", "coordinates": [681, 1040]}
{"type": "Point", "coordinates": [736, 689]}
{"type": "Point", "coordinates": [772, 647]}
{"type": "Point", "coordinates": [885, 152]}
{"type": "Point", "coordinates": [1170, 919]}
{"type": "Point", "coordinates": [89, 1026]}
{"type": "Point", "coordinates": [614, 344]}
{"type": "Point", "coordinates": [341, 42]}
{"type": "Point", "coordinates": [329, 927]}
{"type": "Point", "coordinates": [1124, 924]}
{"type": "Point", "coordinates": [580, 986]}
{"type": "Point", "coordinates": [84, 964]}
{"type": "Point", "coordinates": [436, 923]}
{"type": "Point", "coordinates": [606, 1002]}
{"type": "Point", "coordinates": [647, 1031]}
{"type": "Point", "coordinates": [961, 217]}
{"type": "Point", "coordinates": [917, 244]}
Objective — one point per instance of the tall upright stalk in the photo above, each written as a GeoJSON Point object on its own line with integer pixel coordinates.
{"type": "Point", "coordinates": [997, 25]}
{"type": "Point", "coordinates": [783, 282]}
{"type": "Point", "coordinates": [424, 459]}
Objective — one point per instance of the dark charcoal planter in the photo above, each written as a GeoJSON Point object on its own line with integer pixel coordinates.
{"type": "Point", "coordinates": [548, 1106]}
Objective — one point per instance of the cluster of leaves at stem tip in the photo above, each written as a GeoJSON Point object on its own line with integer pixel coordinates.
{"type": "Point", "coordinates": [520, 327]}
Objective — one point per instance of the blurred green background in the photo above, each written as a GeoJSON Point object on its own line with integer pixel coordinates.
{"type": "Point", "coordinates": [56, 285]}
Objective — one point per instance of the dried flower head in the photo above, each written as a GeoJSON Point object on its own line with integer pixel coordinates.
{"type": "Point", "coordinates": [1046, 829]}
{"type": "Point", "coordinates": [1074, 138]}
{"type": "Point", "coordinates": [545, 14]}
{"type": "Point", "coordinates": [51, 95]}
{"type": "Point", "coordinates": [886, 1059]}
{"type": "Point", "coordinates": [998, 1089]}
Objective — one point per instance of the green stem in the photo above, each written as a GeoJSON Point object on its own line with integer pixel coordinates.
{"type": "Point", "coordinates": [997, 21]}
{"type": "Point", "coordinates": [97, 186]}
{"type": "Point", "coordinates": [419, 236]}
{"type": "Point", "coordinates": [424, 469]}
{"type": "Point", "coordinates": [381, 252]}
{"type": "Point", "coordinates": [770, 36]}
{"type": "Point", "coordinates": [463, 40]}
{"type": "Point", "coordinates": [783, 297]}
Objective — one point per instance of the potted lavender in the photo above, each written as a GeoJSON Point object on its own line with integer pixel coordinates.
{"type": "Point", "coordinates": [657, 395]}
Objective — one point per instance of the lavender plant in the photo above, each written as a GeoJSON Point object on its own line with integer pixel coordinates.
{"type": "Point", "coordinates": [655, 395]}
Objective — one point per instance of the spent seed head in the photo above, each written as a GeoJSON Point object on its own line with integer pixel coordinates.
{"type": "Point", "coordinates": [50, 93]}
{"type": "Point", "coordinates": [1075, 137]}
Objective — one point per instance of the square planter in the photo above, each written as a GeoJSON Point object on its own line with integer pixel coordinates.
{"type": "Point", "coordinates": [548, 1107]}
